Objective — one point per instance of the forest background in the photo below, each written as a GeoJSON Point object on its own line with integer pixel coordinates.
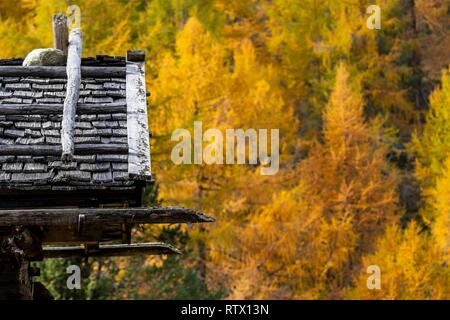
{"type": "Point", "coordinates": [364, 119]}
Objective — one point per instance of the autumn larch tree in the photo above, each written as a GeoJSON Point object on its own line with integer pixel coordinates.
{"type": "Point", "coordinates": [309, 241]}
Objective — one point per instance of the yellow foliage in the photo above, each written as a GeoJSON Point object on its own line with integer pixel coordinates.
{"type": "Point", "coordinates": [311, 230]}
{"type": "Point", "coordinates": [411, 268]}
{"type": "Point", "coordinates": [441, 202]}
{"type": "Point", "coordinates": [308, 242]}
{"type": "Point", "coordinates": [344, 117]}
{"type": "Point", "coordinates": [433, 147]}
{"type": "Point", "coordinates": [434, 144]}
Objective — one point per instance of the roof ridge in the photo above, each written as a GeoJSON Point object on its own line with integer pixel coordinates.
{"type": "Point", "coordinates": [98, 60]}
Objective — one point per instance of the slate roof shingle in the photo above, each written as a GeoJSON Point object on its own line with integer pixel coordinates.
{"type": "Point", "coordinates": [47, 172]}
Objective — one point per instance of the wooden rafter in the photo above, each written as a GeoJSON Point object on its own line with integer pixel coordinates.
{"type": "Point", "coordinates": [55, 150]}
{"type": "Point", "coordinates": [96, 216]}
{"type": "Point", "coordinates": [60, 72]}
{"type": "Point", "coordinates": [39, 109]}
{"type": "Point", "coordinates": [116, 250]}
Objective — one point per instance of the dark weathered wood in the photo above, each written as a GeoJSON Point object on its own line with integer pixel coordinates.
{"type": "Point", "coordinates": [45, 109]}
{"type": "Point", "coordinates": [85, 198]}
{"type": "Point", "coordinates": [11, 62]}
{"type": "Point", "coordinates": [103, 72]}
{"type": "Point", "coordinates": [40, 292]}
{"type": "Point", "coordinates": [117, 250]}
{"type": "Point", "coordinates": [99, 216]}
{"type": "Point", "coordinates": [60, 32]}
{"type": "Point", "coordinates": [60, 72]}
{"type": "Point", "coordinates": [55, 150]}
{"type": "Point", "coordinates": [76, 234]}
{"type": "Point", "coordinates": [72, 95]}
{"type": "Point", "coordinates": [98, 61]}
{"type": "Point", "coordinates": [136, 55]}
{"type": "Point", "coordinates": [18, 247]}
{"type": "Point", "coordinates": [88, 234]}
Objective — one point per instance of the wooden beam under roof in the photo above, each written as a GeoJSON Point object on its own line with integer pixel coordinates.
{"type": "Point", "coordinates": [46, 109]}
{"type": "Point", "coordinates": [55, 150]}
{"type": "Point", "coordinates": [99, 216]}
{"type": "Point", "coordinates": [60, 72]}
{"type": "Point", "coordinates": [114, 250]}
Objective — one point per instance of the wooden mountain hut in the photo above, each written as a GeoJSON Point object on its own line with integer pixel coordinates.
{"type": "Point", "coordinates": [74, 162]}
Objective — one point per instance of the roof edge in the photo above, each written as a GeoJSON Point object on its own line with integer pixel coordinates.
{"type": "Point", "coordinates": [139, 162]}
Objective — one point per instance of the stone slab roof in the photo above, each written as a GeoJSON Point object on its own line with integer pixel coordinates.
{"type": "Point", "coordinates": [30, 137]}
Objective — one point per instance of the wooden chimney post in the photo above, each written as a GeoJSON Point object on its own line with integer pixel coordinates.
{"type": "Point", "coordinates": [72, 94]}
{"type": "Point", "coordinates": [60, 32]}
